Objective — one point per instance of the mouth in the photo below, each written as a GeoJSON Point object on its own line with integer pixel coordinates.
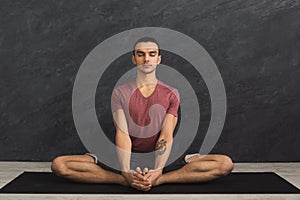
{"type": "Point", "coordinates": [147, 65]}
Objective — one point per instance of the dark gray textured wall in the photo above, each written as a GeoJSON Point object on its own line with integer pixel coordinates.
{"type": "Point", "coordinates": [254, 43]}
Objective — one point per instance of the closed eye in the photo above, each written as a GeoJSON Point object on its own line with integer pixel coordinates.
{"type": "Point", "coordinates": [152, 53]}
{"type": "Point", "coordinates": [140, 53]}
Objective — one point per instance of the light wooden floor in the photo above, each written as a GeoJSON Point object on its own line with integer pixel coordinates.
{"type": "Point", "coordinates": [289, 171]}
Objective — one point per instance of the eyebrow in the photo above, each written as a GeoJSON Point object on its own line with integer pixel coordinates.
{"type": "Point", "coordinates": [140, 51]}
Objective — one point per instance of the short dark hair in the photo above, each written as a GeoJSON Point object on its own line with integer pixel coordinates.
{"type": "Point", "coordinates": [146, 39]}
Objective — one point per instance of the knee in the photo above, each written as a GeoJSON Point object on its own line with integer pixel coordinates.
{"type": "Point", "coordinates": [59, 166]}
{"type": "Point", "coordinates": [225, 165]}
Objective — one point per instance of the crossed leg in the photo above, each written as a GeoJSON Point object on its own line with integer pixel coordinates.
{"type": "Point", "coordinates": [81, 168]}
{"type": "Point", "coordinates": [199, 169]}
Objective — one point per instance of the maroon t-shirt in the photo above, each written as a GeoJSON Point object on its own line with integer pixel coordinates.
{"type": "Point", "coordinates": [145, 115]}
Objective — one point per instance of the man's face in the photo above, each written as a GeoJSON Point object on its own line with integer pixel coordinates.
{"type": "Point", "coordinates": [146, 57]}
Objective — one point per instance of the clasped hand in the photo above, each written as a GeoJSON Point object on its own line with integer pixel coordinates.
{"type": "Point", "coordinates": [142, 179]}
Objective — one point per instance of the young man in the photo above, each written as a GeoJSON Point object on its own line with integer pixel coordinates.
{"type": "Point", "coordinates": [145, 116]}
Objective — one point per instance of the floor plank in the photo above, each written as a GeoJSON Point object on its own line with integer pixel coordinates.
{"type": "Point", "coordinates": [289, 171]}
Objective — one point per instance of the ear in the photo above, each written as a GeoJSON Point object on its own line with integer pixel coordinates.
{"type": "Point", "coordinates": [133, 59]}
{"type": "Point", "coordinates": [159, 59]}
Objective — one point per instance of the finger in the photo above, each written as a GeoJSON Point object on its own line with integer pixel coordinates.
{"type": "Point", "coordinates": [147, 177]}
{"type": "Point", "coordinates": [138, 176]}
{"type": "Point", "coordinates": [140, 186]}
{"type": "Point", "coordinates": [138, 170]}
{"type": "Point", "coordinates": [136, 186]}
{"type": "Point", "coordinates": [145, 171]}
{"type": "Point", "coordinates": [134, 173]}
{"type": "Point", "coordinates": [145, 183]}
{"type": "Point", "coordinates": [142, 181]}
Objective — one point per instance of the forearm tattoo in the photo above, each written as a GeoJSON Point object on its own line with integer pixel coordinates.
{"type": "Point", "coordinates": [161, 146]}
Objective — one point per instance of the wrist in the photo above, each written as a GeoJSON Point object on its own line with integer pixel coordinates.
{"type": "Point", "coordinates": [157, 170]}
{"type": "Point", "coordinates": [125, 172]}
{"type": "Point", "coordinates": [125, 168]}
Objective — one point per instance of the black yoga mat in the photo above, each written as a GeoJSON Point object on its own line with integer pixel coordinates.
{"type": "Point", "coordinates": [234, 183]}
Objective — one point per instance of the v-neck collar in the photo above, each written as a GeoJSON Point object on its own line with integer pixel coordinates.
{"type": "Point", "coordinates": [150, 94]}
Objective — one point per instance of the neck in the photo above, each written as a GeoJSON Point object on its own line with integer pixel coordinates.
{"type": "Point", "coordinates": [145, 79]}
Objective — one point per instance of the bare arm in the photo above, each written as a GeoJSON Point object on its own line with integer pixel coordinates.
{"type": "Point", "coordinates": [163, 148]}
{"type": "Point", "coordinates": [123, 141]}
{"type": "Point", "coordinates": [164, 142]}
{"type": "Point", "coordinates": [123, 145]}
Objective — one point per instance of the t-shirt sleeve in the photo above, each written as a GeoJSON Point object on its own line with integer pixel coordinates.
{"type": "Point", "coordinates": [174, 103]}
{"type": "Point", "coordinates": [118, 111]}
{"type": "Point", "coordinates": [116, 101]}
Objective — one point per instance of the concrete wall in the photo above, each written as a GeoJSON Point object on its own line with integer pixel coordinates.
{"type": "Point", "coordinates": [254, 43]}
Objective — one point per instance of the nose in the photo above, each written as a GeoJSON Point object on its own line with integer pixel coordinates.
{"type": "Point", "coordinates": [147, 58]}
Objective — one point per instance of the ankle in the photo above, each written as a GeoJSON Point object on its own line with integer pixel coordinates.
{"type": "Point", "coordinates": [158, 181]}
{"type": "Point", "coordinates": [123, 181]}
